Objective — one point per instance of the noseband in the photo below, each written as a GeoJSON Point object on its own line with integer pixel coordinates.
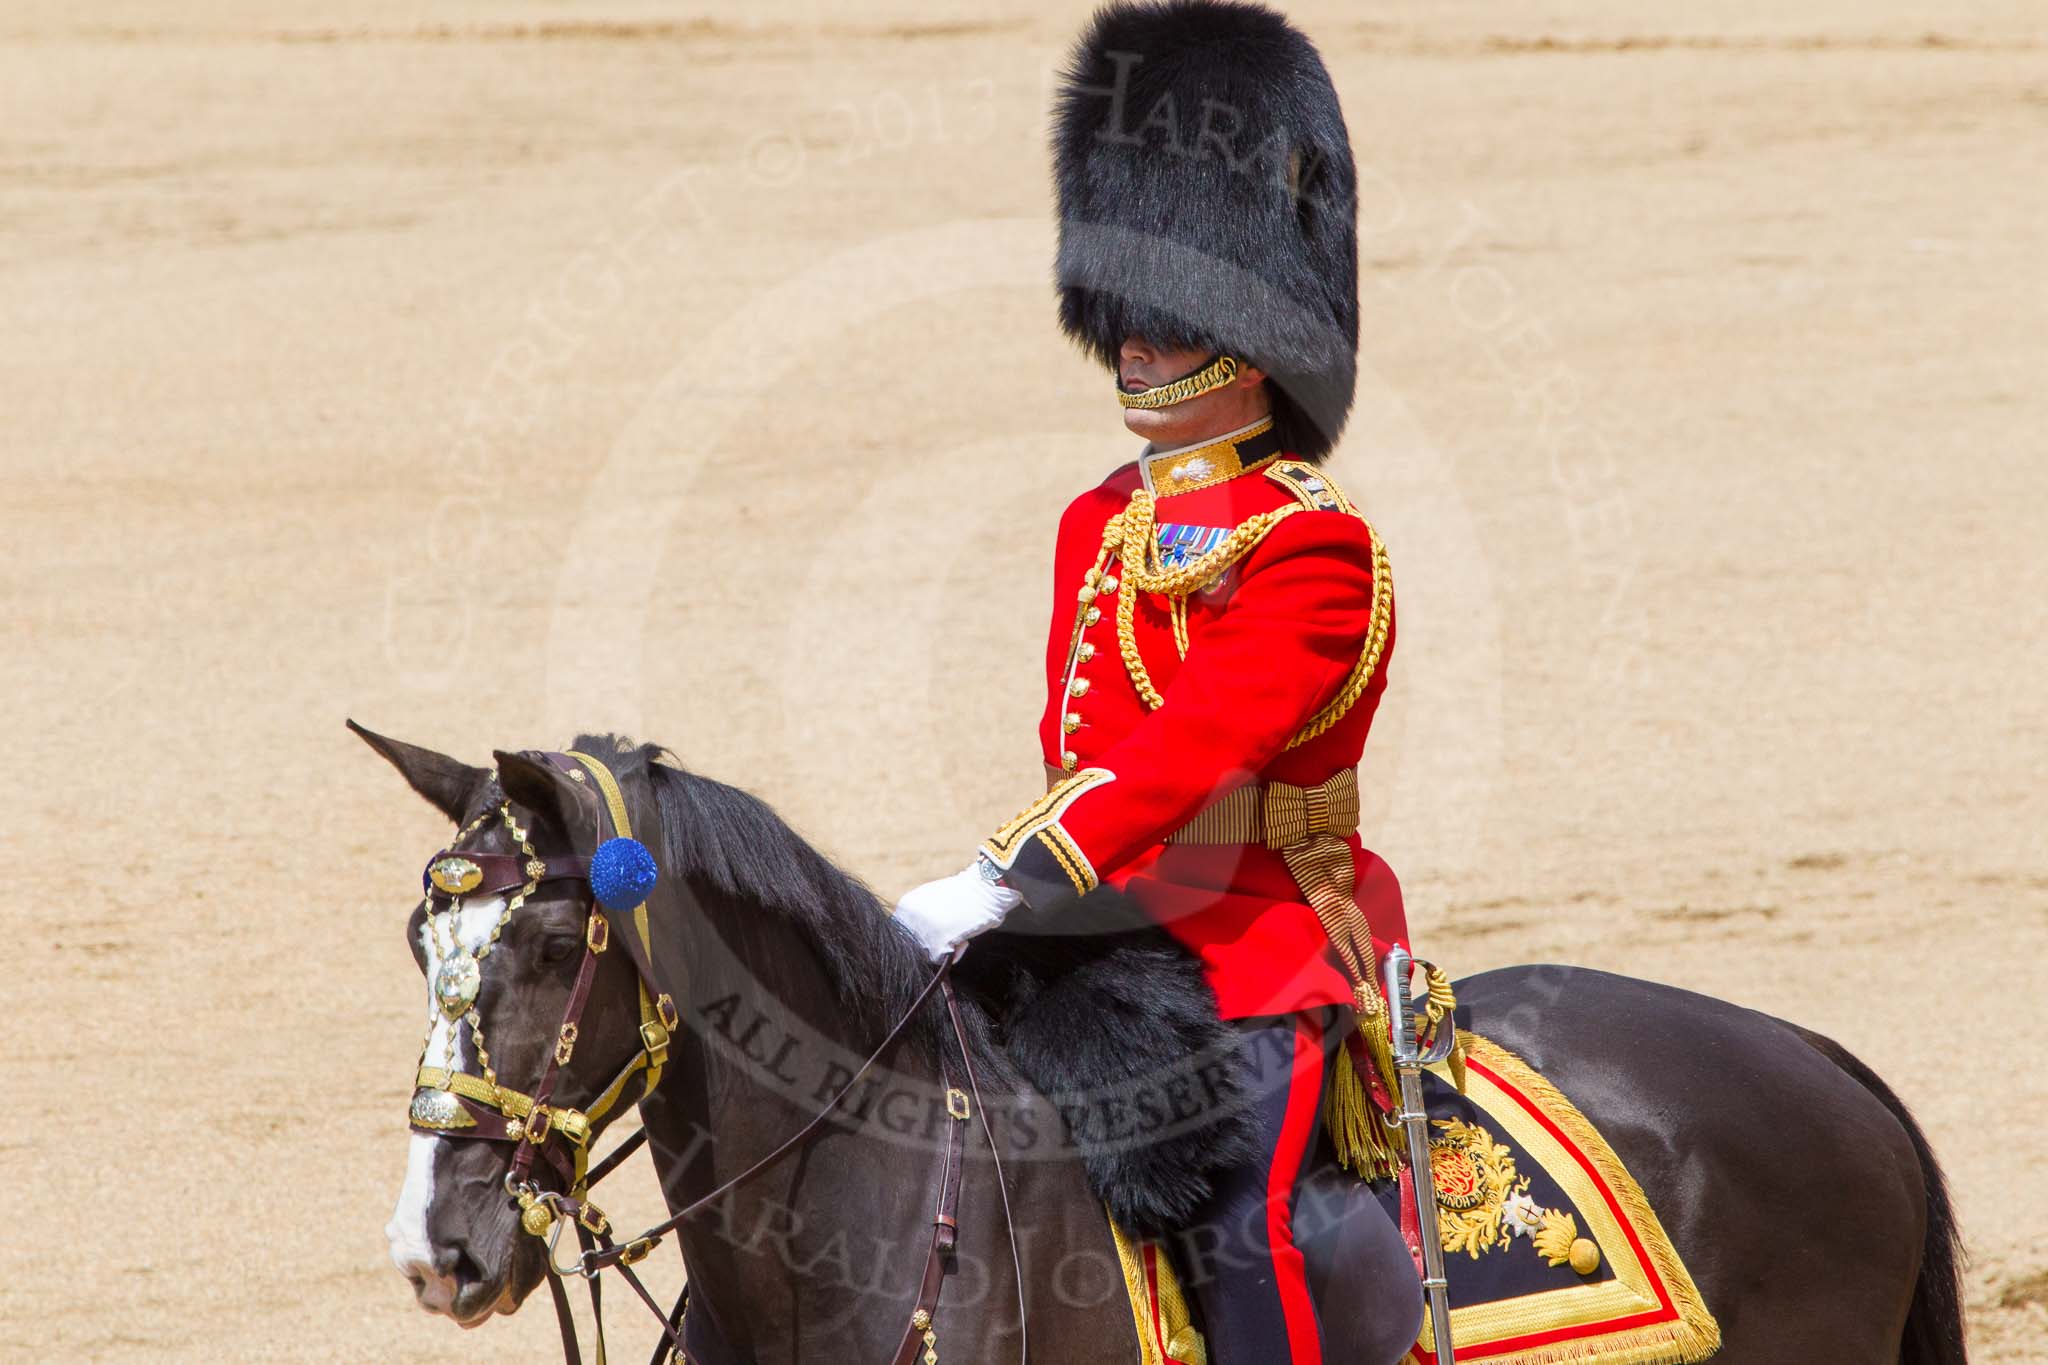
{"type": "Point", "coordinates": [462, 1104]}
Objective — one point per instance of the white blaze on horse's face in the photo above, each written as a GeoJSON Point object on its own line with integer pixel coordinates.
{"type": "Point", "coordinates": [412, 1250]}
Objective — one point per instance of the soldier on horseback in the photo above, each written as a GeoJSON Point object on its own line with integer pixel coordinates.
{"type": "Point", "coordinates": [1223, 616]}
{"type": "Point", "coordinates": [1222, 625]}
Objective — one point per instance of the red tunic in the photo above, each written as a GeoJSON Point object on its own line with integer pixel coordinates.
{"type": "Point", "coordinates": [1278, 641]}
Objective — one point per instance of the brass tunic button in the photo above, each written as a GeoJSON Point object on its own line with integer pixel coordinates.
{"type": "Point", "coordinates": [1094, 615]}
{"type": "Point", "coordinates": [1071, 721]}
{"type": "Point", "coordinates": [1078, 687]}
{"type": "Point", "coordinates": [1087, 651]}
{"type": "Point", "coordinates": [1069, 761]}
{"type": "Point", "coordinates": [1109, 583]}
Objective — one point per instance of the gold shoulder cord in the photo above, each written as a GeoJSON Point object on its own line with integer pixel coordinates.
{"type": "Point", "coordinates": [1375, 643]}
{"type": "Point", "coordinates": [1132, 536]}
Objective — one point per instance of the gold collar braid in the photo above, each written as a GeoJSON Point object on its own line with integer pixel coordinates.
{"type": "Point", "coordinates": [1132, 536]}
{"type": "Point", "coordinates": [1214, 375]}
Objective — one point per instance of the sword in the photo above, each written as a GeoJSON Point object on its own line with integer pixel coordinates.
{"type": "Point", "coordinates": [1409, 1060]}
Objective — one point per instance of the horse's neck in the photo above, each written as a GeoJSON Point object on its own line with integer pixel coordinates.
{"type": "Point", "coordinates": [764, 1047]}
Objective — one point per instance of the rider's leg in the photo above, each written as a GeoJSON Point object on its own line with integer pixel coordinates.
{"type": "Point", "coordinates": [1242, 1263]}
{"type": "Point", "coordinates": [1367, 1291]}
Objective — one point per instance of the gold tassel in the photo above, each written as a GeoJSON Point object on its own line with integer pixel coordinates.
{"type": "Point", "coordinates": [1363, 1142]}
{"type": "Point", "coordinates": [1379, 1040]}
{"type": "Point", "coordinates": [1350, 1119]}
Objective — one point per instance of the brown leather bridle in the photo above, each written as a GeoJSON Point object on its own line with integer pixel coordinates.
{"type": "Point", "coordinates": [484, 1109]}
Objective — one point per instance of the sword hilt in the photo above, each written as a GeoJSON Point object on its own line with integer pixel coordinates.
{"type": "Point", "coordinates": [1403, 1013]}
{"type": "Point", "coordinates": [1400, 968]}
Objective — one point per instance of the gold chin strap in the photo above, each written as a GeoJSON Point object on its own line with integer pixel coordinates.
{"type": "Point", "coordinates": [654, 1033]}
{"type": "Point", "coordinates": [1214, 375]}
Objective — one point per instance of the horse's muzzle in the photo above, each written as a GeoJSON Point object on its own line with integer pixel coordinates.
{"type": "Point", "coordinates": [460, 1252]}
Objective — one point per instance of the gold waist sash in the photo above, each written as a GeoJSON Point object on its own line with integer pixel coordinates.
{"type": "Point", "coordinates": [1276, 814]}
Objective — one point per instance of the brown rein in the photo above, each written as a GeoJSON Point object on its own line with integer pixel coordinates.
{"type": "Point", "coordinates": [602, 1253]}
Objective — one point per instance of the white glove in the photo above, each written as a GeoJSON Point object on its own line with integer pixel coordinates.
{"type": "Point", "coordinates": [944, 914]}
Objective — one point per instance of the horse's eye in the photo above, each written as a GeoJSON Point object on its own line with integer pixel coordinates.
{"type": "Point", "coordinates": [559, 947]}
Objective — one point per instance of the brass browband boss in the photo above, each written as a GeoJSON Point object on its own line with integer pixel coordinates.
{"type": "Point", "coordinates": [1214, 375]}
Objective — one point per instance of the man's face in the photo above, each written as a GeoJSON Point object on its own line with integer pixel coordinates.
{"type": "Point", "coordinates": [1142, 365]}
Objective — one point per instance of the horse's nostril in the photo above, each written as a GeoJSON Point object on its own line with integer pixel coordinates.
{"type": "Point", "coordinates": [465, 1269]}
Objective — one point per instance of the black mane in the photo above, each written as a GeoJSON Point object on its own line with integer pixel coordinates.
{"type": "Point", "coordinates": [732, 842]}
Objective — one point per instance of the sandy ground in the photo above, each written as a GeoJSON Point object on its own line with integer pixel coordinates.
{"type": "Point", "coordinates": [502, 368]}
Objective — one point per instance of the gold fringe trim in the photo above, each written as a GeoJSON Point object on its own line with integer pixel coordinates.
{"type": "Point", "coordinates": [1184, 1343]}
{"type": "Point", "coordinates": [1695, 1336]}
{"type": "Point", "coordinates": [1656, 1345]}
{"type": "Point", "coordinates": [1134, 1290]}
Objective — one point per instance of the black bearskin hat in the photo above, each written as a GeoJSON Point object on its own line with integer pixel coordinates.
{"type": "Point", "coordinates": [1207, 200]}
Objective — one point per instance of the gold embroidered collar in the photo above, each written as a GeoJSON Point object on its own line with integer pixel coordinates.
{"type": "Point", "coordinates": [1191, 467]}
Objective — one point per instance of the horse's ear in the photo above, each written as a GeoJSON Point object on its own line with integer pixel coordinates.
{"type": "Point", "coordinates": [531, 782]}
{"type": "Point", "coordinates": [445, 782]}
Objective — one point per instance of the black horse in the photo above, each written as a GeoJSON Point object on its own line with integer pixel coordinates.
{"type": "Point", "coordinates": [1795, 1185]}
